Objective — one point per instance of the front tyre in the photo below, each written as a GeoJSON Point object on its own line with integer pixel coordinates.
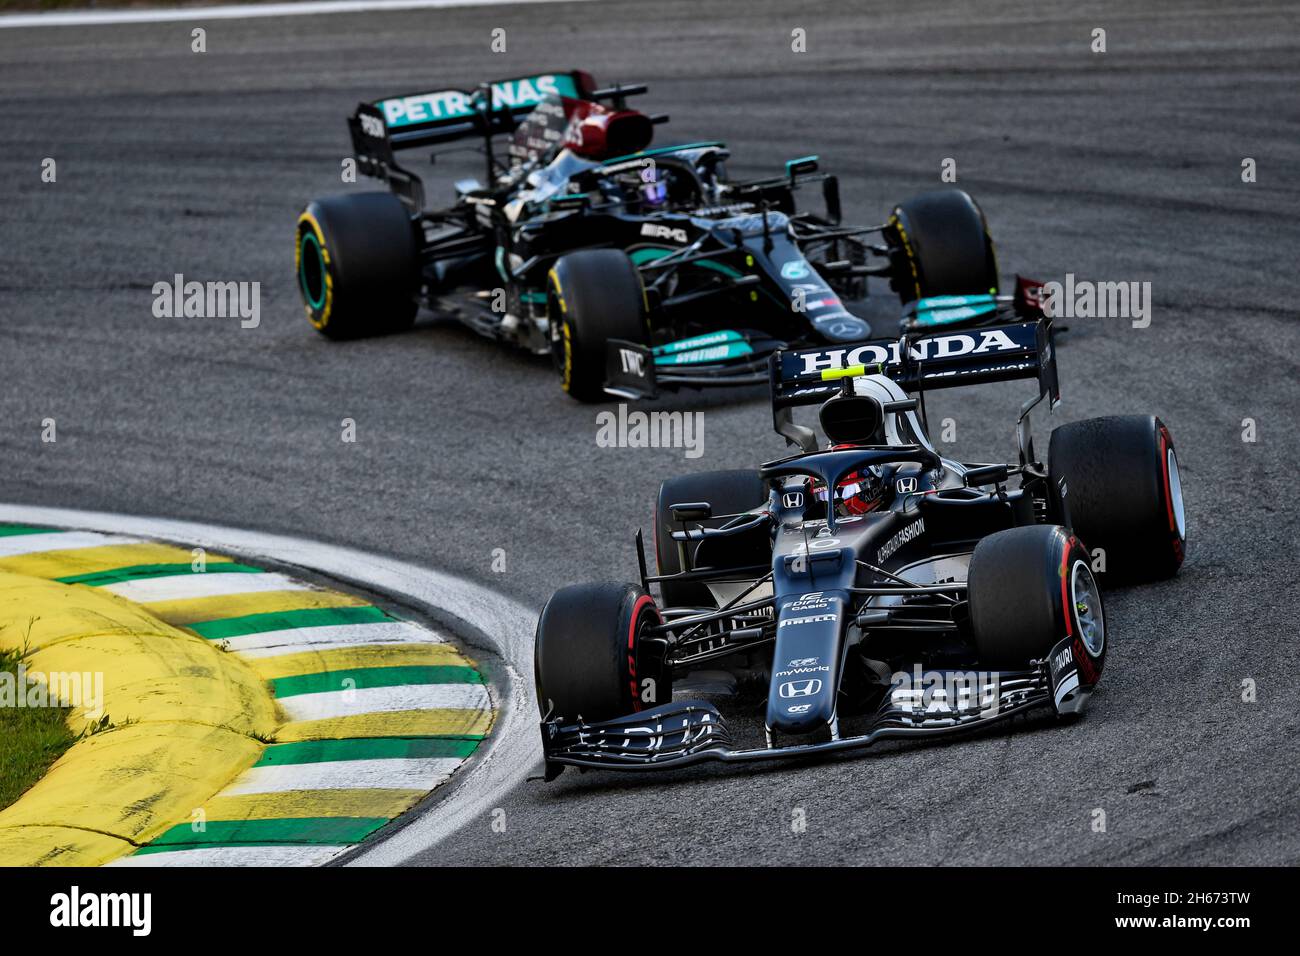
{"type": "Point", "coordinates": [1030, 589]}
{"type": "Point", "coordinates": [1116, 479]}
{"type": "Point", "coordinates": [940, 245]}
{"type": "Point", "coordinates": [358, 264]}
{"type": "Point", "coordinates": [592, 296]}
{"type": "Point", "coordinates": [594, 657]}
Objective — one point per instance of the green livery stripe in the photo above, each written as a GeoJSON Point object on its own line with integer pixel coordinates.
{"type": "Point", "coordinates": [319, 830]}
{"type": "Point", "coordinates": [660, 151]}
{"type": "Point", "coordinates": [699, 341]}
{"type": "Point", "coordinates": [367, 748]}
{"type": "Point", "coordinates": [718, 346]}
{"type": "Point", "coordinates": [137, 572]}
{"type": "Point", "coordinates": [441, 106]}
{"type": "Point", "coordinates": [9, 530]}
{"type": "Point", "coordinates": [332, 681]}
{"type": "Point", "coordinates": [283, 620]}
{"type": "Point", "coordinates": [714, 353]}
{"type": "Point", "coordinates": [943, 309]}
{"type": "Point", "coordinates": [716, 267]}
{"type": "Point", "coordinates": [638, 256]}
{"type": "Point", "coordinates": [651, 253]}
{"type": "Point", "coordinates": [954, 301]}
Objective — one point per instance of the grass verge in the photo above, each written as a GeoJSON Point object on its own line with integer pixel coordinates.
{"type": "Point", "coordinates": [31, 738]}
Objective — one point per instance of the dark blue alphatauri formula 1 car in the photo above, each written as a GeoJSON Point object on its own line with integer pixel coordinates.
{"type": "Point", "coordinates": [873, 587]}
{"type": "Point", "coordinates": [635, 268]}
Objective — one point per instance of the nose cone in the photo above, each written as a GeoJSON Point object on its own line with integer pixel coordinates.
{"type": "Point", "coordinates": [803, 705]}
{"type": "Point", "coordinates": [805, 665]}
{"type": "Point", "coordinates": [843, 328]}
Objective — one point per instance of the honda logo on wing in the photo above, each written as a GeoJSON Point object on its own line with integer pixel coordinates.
{"type": "Point", "coordinates": [800, 688]}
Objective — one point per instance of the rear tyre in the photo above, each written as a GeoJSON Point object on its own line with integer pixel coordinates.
{"type": "Point", "coordinates": [591, 657]}
{"type": "Point", "coordinates": [727, 492]}
{"type": "Point", "coordinates": [941, 246]}
{"type": "Point", "coordinates": [592, 296]}
{"type": "Point", "coordinates": [358, 265]}
{"type": "Point", "coordinates": [1115, 482]}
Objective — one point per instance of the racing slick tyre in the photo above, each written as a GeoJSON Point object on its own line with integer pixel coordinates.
{"type": "Point", "coordinates": [941, 246]}
{"type": "Point", "coordinates": [358, 265]}
{"type": "Point", "coordinates": [592, 296]}
{"type": "Point", "coordinates": [1115, 482]}
{"type": "Point", "coordinates": [728, 493]}
{"type": "Point", "coordinates": [591, 658]}
{"type": "Point", "coordinates": [1030, 589]}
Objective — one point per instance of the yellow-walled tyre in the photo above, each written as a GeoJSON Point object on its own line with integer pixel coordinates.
{"type": "Point", "coordinates": [358, 264]}
{"type": "Point", "coordinates": [940, 245]}
{"type": "Point", "coordinates": [592, 296]}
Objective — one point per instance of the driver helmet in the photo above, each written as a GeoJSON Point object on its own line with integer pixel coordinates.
{"type": "Point", "coordinates": [859, 493]}
{"type": "Point", "coordinates": [655, 192]}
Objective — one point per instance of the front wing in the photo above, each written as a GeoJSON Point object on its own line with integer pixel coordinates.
{"type": "Point", "coordinates": [688, 732]}
{"type": "Point", "coordinates": [723, 358]}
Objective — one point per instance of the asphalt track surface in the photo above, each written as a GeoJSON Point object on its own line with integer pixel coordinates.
{"type": "Point", "coordinates": [1122, 166]}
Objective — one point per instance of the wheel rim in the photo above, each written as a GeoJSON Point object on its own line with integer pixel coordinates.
{"type": "Point", "coordinates": [556, 336]}
{"type": "Point", "coordinates": [1088, 617]}
{"type": "Point", "coordinates": [311, 274]}
{"type": "Point", "coordinates": [1176, 494]}
{"type": "Point", "coordinates": [646, 616]}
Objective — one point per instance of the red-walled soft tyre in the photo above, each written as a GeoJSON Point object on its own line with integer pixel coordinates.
{"type": "Point", "coordinates": [1030, 589]}
{"type": "Point", "coordinates": [1116, 481]}
{"type": "Point", "coordinates": [592, 657]}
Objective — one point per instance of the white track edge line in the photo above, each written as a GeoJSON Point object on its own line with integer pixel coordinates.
{"type": "Point", "coordinates": [500, 763]}
{"type": "Point", "coordinates": [76, 18]}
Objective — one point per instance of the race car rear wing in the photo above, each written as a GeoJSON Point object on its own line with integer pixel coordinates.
{"type": "Point", "coordinates": [423, 119]}
{"type": "Point", "coordinates": [441, 116]}
{"type": "Point", "coordinates": [918, 363]}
